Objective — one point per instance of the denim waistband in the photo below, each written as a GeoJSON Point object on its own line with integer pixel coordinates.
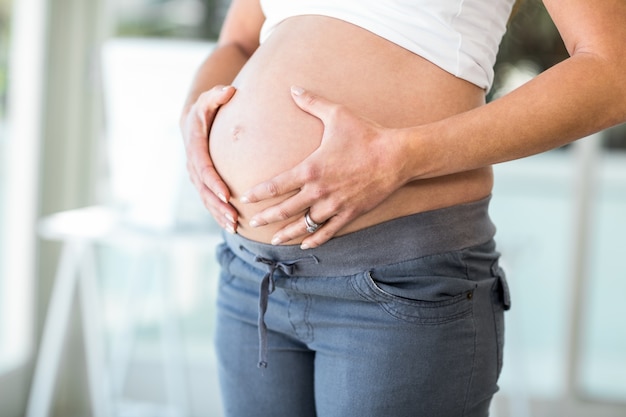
{"type": "Point", "coordinates": [422, 234]}
{"type": "Point", "coordinates": [397, 240]}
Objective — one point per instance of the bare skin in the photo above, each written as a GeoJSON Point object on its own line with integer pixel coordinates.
{"type": "Point", "coordinates": [261, 132]}
{"type": "Point", "coordinates": [421, 164]}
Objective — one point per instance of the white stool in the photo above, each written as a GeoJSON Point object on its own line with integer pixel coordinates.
{"type": "Point", "coordinates": [80, 231]}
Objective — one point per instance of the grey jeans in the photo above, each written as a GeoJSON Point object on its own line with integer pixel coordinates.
{"type": "Point", "coordinates": [404, 318]}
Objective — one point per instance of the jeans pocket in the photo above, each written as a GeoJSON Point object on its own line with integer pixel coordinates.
{"type": "Point", "coordinates": [501, 302]}
{"type": "Point", "coordinates": [502, 296]}
{"type": "Point", "coordinates": [429, 290]}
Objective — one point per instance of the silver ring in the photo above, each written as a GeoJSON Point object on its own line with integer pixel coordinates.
{"type": "Point", "coordinates": [311, 226]}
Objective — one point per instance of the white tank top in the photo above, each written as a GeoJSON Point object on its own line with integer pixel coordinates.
{"type": "Point", "coordinates": [460, 36]}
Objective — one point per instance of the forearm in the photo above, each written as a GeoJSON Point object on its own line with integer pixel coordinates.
{"type": "Point", "coordinates": [579, 96]}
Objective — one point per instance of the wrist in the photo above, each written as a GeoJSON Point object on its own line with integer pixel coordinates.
{"type": "Point", "coordinates": [413, 154]}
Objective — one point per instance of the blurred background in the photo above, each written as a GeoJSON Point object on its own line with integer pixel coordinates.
{"type": "Point", "coordinates": [106, 255]}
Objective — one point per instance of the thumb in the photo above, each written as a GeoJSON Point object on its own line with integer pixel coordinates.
{"type": "Point", "coordinates": [312, 104]}
{"type": "Point", "coordinates": [212, 99]}
{"type": "Point", "coordinates": [225, 93]}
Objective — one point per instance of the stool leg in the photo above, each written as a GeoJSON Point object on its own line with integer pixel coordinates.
{"type": "Point", "coordinates": [93, 331]}
{"type": "Point", "coordinates": [55, 329]}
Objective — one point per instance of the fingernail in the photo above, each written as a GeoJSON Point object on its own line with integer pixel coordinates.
{"type": "Point", "coordinates": [276, 241]}
{"type": "Point", "coordinates": [297, 91]}
{"type": "Point", "coordinates": [222, 197]}
{"type": "Point", "coordinates": [226, 87]}
{"type": "Point", "coordinates": [229, 217]}
{"type": "Point", "coordinates": [254, 223]}
{"type": "Point", "coordinates": [244, 199]}
{"type": "Point", "coordinates": [304, 246]}
{"type": "Point", "coordinates": [230, 229]}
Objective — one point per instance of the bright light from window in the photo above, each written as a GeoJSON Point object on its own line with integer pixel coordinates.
{"type": "Point", "coordinates": [19, 186]}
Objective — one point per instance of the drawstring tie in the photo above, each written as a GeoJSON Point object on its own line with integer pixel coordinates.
{"type": "Point", "coordinates": [267, 287]}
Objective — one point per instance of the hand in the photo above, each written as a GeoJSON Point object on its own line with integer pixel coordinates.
{"type": "Point", "coordinates": [195, 127]}
{"type": "Point", "coordinates": [354, 169]}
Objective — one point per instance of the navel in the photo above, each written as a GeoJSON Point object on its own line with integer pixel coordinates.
{"type": "Point", "coordinates": [236, 132]}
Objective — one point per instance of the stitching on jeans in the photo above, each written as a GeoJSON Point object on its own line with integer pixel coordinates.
{"type": "Point", "coordinates": [307, 310]}
{"type": "Point", "coordinates": [307, 337]}
{"type": "Point", "coordinates": [387, 306]}
{"type": "Point", "coordinates": [471, 378]}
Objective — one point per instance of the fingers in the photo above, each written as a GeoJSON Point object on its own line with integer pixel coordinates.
{"type": "Point", "coordinates": [323, 183]}
{"type": "Point", "coordinates": [213, 191]}
{"type": "Point", "coordinates": [302, 181]}
{"type": "Point", "coordinates": [324, 233]}
{"type": "Point", "coordinates": [196, 133]}
{"type": "Point", "coordinates": [290, 208]}
{"type": "Point", "coordinates": [211, 100]}
{"type": "Point", "coordinates": [329, 216]}
{"type": "Point", "coordinates": [313, 104]}
{"type": "Point", "coordinates": [205, 171]}
{"type": "Point", "coordinates": [281, 184]}
{"type": "Point", "coordinates": [298, 229]}
{"type": "Point", "coordinates": [224, 214]}
{"type": "Point", "coordinates": [303, 173]}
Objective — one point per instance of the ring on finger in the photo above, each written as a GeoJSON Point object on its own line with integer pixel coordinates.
{"type": "Point", "coordinates": [311, 226]}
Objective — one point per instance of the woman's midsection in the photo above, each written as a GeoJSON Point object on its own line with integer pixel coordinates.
{"type": "Point", "coordinates": [261, 132]}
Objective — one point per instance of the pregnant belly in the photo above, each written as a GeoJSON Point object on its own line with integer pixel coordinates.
{"type": "Point", "coordinates": [261, 132]}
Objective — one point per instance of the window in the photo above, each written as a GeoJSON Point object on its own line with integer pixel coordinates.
{"type": "Point", "coordinates": [21, 36]}
{"type": "Point", "coordinates": [602, 335]}
{"type": "Point", "coordinates": [561, 222]}
{"type": "Point", "coordinates": [157, 43]}
{"type": "Point", "coordinates": [5, 13]}
{"type": "Point", "coordinates": [154, 41]}
{"type": "Point", "coordinates": [14, 325]}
